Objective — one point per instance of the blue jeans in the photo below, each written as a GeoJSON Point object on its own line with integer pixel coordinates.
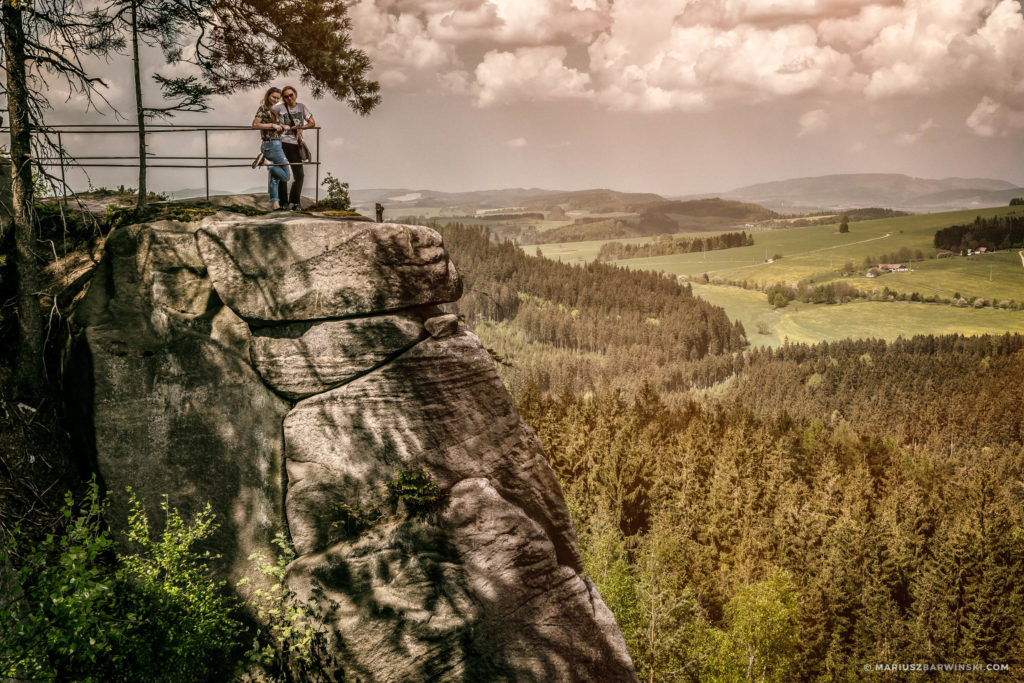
{"type": "Point", "coordinates": [277, 174]}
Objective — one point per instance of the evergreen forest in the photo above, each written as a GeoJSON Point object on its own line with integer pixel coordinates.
{"type": "Point", "coordinates": [666, 244]}
{"type": "Point", "coordinates": [997, 232]}
{"type": "Point", "coordinates": [806, 513]}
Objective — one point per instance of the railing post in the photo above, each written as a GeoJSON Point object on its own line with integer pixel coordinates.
{"type": "Point", "coordinates": [317, 195]}
{"type": "Point", "coordinates": [206, 159]}
{"type": "Point", "coordinates": [63, 181]}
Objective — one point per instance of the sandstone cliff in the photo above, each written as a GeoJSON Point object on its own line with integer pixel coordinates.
{"type": "Point", "coordinates": [284, 371]}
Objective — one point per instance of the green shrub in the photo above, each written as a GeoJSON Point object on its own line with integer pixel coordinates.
{"type": "Point", "coordinates": [337, 196]}
{"type": "Point", "coordinates": [289, 642]}
{"type": "Point", "coordinates": [75, 610]}
{"type": "Point", "coordinates": [415, 490]}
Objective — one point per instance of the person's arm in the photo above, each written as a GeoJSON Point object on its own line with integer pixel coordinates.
{"type": "Point", "coordinates": [260, 125]}
{"type": "Point", "coordinates": [309, 124]}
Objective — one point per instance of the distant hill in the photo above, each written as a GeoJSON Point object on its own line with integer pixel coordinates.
{"type": "Point", "coordinates": [714, 207]}
{"type": "Point", "coordinates": [599, 201]}
{"type": "Point", "coordinates": [890, 190]}
{"type": "Point", "coordinates": [595, 201]}
{"type": "Point", "coordinates": [399, 198]}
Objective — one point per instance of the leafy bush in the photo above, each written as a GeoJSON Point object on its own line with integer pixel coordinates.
{"type": "Point", "coordinates": [337, 196]}
{"type": "Point", "coordinates": [289, 642]}
{"type": "Point", "coordinates": [77, 611]}
{"type": "Point", "coordinates": [415, 490]}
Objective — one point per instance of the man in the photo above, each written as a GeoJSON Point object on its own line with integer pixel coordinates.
{"type": "Point", "coordinates": [296, 117]}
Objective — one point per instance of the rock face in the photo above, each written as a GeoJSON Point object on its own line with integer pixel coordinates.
{"type": "Point", "coordinates": [320, 268]}
{"type": "Point", "coordinates": [294, 373]}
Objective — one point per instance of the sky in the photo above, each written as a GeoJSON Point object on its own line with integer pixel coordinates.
{"type": "Point", "coordinates": [676, 97]}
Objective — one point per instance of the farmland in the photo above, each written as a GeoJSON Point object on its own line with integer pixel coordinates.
{"type": "Point", "coordinates": [819, 255]}
{"type": "Point", "coordinates": [811, 323]}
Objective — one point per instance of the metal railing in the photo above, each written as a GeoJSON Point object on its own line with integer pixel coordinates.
{"type": "Point", "coordinates": [63, 160]}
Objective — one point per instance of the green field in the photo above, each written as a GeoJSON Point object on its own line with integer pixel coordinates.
{"type": "Point", "coordinates": [585, 252]}
{"type": "Point", "coordinates": [818, 254]}
{"type": "Point", "coordinates": [811, 323]}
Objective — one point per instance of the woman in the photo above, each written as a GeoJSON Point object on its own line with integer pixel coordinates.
{"type": "Point", "coordinates": [270, 127]}
{"type": "Point", "coordinates": [296, 117]}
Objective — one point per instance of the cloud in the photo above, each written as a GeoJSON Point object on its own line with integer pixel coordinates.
{"type": "Point", "coordinates": [691, 55]}
{"type": "Point", "coordinates": [993, 119]}
{"type": "Point", "coordinates": [516, 143]}
{"type": "Point", "coordinates": [398, 44]}
{"type": "Point", "coordinates": [912, 137]}
{"type": "Point", "coordinates": [529, 73]}
{"type": "Point", "coordinates": [813, 122]}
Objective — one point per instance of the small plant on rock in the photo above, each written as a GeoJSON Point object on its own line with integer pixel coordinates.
{"type": "Point", "coordinates": [337, 196]}
{"type": "Point", "coordinates": [415, 490]}
{"type": "Point", "coordinates": [288, 641]}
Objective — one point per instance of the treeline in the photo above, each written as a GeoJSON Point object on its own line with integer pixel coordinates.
{"type": "Point", "coordinates": [997, 232]}
{"type": "Point", "coordinates": [666, 245]}
{"type": "Point", "coordinates": [714, 207]}
{"type": "Point", "coordinates": [839, 292]}
{"type": "Point", "coordinates": [526, 215]}
{"type": "Point", "coordinates": [593, 308]}
{"type": "Point", "coordinates": [901, 255]}
{"type": "Point", "coordinates": [868, 214]}
{"type": "Point", "coordinates": [835, 506]}
{"type": "Point", "coordinates": [581, 231]}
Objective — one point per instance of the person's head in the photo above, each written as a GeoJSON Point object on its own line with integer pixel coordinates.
{"type": "Point", "coordinates": [271, 97]}
{"type": "Point", "coordinates": [290, 95]}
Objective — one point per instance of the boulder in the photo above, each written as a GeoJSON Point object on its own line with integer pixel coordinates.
{"type": "Point", "coordinates": [165, 421]}
{"type": "Point", "coordinates": [172, 392]}
{"type": "Point", "coordinates": [442, 325]}
{"type": "Point", "coordinates": [535, 618]}
{"type": "Point", "coordinates": [473, 592]}
{"type": "Point", "coordinates": [441, 406]}
{"type": "Point", "coordinates": [302, 359]}
{"type": "Point", "coordinates": [303, 268]}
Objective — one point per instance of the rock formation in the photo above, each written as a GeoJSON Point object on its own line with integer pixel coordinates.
{"type": "Point", "coordinates": [289, 372]}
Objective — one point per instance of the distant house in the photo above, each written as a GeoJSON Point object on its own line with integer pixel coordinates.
{"type": "Point", "coordinates": [979, 250]}
{"type": "Point", "coordinates": [893, 267]}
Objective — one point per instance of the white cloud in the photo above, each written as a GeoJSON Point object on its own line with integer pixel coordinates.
{"type": "Point", "coordinates": [516, 143]}
{"type": "Point", "coordinates": [529, 73]}
{"type": "Point", "coordinates": [994, 119]}
{"type": "Point", "coordinates": [813, 122]}
{"type": "Point", "coordinates": [398, 44]}
{"type": "Point", "coordinates": [910, 138]}
{"type": "Point", "coordinates": [695, 54]}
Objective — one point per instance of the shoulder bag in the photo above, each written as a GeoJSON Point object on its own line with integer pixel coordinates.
{"type": "Point", "coordinates": [304, 155]}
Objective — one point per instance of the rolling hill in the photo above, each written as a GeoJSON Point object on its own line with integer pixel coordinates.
{"type": "Point", "coordinates": [889, 190]}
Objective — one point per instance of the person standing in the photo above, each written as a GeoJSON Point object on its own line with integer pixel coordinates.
{"type": "Point", "coordinates": [270, 127]}
{"type": "Point", "coordinates": [296, 117]}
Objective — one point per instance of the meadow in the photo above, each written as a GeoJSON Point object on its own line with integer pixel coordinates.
{"type": "Point", "coordinates": [585, 252]}
{"type": "Point", "coordinates": [888, 320]}
{"type": "Point", "coordinates": [818, 254]}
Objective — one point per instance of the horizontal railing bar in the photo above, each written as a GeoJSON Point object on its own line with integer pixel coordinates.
{"type": "Point", "coordinates": [70, 159]}
{"type": "Point", "coordinates": [73, 165]}
{"type": "Point", "coordinates": [121, 128]}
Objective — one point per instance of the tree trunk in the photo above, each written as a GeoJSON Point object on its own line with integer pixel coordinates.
{"type": "Point", "coordinates": [140, 112]}
{"type": "Point", "coordinates": [28, 374]}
